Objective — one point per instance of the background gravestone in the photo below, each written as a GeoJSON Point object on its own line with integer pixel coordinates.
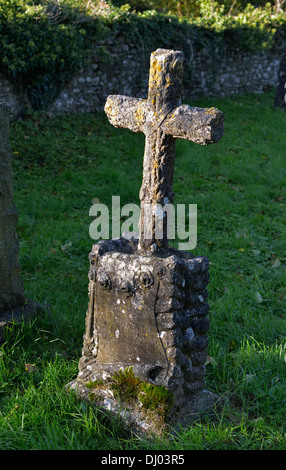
{"type": "Point", "coordinates": [13, 305]}
{"type": "Point", "coordinates": [280, 99]}
{"type": "Point", "coordinates": [147, 316]}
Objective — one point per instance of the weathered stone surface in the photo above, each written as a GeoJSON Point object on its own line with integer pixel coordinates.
{"type": "Point", "coordinates": [280, 98]}
{"type": "Point", "coordinates": [202, 126]}
{"type": "Point", "coordinates": [162, 118]}
{"type": "Point", "coordinates": [11, 285]}
{"type": "Point", "coordinates": [128, 326]}
{"type": "Point", "coordinates": [9, 95]}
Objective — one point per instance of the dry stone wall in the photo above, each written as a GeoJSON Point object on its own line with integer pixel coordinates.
{"type": "Point", "coordinates": [124, 70]}
{"type": "Point", "coordinates": [237, 73]}
{"type": "Point", "coordinates": [10, 95]}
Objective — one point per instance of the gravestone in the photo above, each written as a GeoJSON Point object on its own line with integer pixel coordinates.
{"type": "Point", "coordinates": [147, 316]}
{"type": "Point", "coordinates": [280, 98]}
{"type": "Point", "coordinates": [13, 305]}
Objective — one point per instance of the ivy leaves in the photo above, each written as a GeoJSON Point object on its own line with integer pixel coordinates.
{"type": "Point", "coordinates": [39, 51]}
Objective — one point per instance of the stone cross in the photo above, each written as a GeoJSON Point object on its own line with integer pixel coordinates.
{"type": "Point", "coordinates": [163, 119]}
{"type": "Point", "coordinates": [147, 310]}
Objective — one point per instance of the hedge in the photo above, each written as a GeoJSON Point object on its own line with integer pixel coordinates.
{"type": "Point", "coordinates": [44, 42]}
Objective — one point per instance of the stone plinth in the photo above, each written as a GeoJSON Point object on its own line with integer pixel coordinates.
{"type": "Point", "coordinates": [13, 305]}
{"type": "Point", "coordinates": [149, 313]}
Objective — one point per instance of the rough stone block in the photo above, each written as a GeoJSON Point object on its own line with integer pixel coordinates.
{"type": "Point", "coordinates": [125, 327]}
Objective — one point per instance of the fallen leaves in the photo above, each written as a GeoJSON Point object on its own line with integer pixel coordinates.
{"type": "Point", "coordinates": [66, 246]}
{"type": "Point", "coordinates": [258, 297]}
{"type": "Point", "coordinates": [276, 263]}
{"type": "Point", "coordinates": [256, 252]}
{"type": "Point", "coordinates": [30, 367]}
{"type": "Point", "coordinates": [211, 360]}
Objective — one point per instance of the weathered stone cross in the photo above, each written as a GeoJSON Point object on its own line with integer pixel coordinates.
{"type": "Point", "coordinates": [147, 307]}
{"type": "Point", "coordinates": [163, 119]}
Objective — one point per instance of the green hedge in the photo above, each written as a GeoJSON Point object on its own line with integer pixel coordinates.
{"type": "Point", "coordinates": [196, 8]}
{"type": "Point", "coordinates": [44, 42]}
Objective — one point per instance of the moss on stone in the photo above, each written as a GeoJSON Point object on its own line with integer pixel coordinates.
{"type": "Point", "coordinates": [155, 397]}
{"type": "Point", "coordinates": [125, 385]}
{"type": "Point", "coordinates": [130, 389]}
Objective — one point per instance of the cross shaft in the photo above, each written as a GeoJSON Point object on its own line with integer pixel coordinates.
{"type": "Point", "coordinates": [163, 119]}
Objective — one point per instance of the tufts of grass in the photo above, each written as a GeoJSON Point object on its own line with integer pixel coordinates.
{"type": "Point", "coordinates": [61, 166]}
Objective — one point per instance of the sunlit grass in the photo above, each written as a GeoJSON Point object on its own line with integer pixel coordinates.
{"type": "Point", "coordinates": [61, 166]}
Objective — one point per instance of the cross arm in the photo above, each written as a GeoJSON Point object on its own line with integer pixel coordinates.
{"type": "Point", "coordinates": [201, 125]}
{"type": "Point", "coordinates": [126, 112]}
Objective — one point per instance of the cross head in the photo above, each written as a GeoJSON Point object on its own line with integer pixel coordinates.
{"type": "Point", "coordinates": [163, 119]}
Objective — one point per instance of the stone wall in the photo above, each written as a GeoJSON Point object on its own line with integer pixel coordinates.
{"type": "Point", "coordinates": [237, 73]}
{"type": "Point", "coordinates": [127, 74]}
{"type": "Point", "coordinates": [9, 95]}
{"type": "Point", "coordinates": [125, 71]}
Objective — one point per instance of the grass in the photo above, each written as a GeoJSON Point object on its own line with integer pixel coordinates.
{"type": "Point", "coordinates": [63, 164]}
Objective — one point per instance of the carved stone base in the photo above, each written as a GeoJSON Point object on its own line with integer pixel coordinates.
{"type": "Point", "coordinates": [148, 424]}
{"type": "Point", "coordinates": [148, 313]}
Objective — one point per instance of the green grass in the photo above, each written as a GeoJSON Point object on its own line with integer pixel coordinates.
{"type": "Point", "coordinates": [60, 166]}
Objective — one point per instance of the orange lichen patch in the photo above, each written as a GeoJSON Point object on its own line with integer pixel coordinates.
{"type": "Point", "coordinates": [111, 110]}
{"type": "Point", "coordinates": [211, 111]}
{"type": "Point", "coordinates": [156, 165]}
{"type": "Point", "coordinates": [140, 114]}
{"type": "Point", "coordinates": [168, 81]}
{"type": "Point", "coordinates": [155, 73]}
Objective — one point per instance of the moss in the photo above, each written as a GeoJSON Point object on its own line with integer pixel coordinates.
{"type": "Point", "coordinates": [92, 386]}
{"type": "Point", "coordinates": [125, 385]}
{"type": "Point", "coordinates": [156, 397]}
{"type": "Point", "coordinates": [95, 384]}
{"type": "Point", "coordinates": [132, 390]}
